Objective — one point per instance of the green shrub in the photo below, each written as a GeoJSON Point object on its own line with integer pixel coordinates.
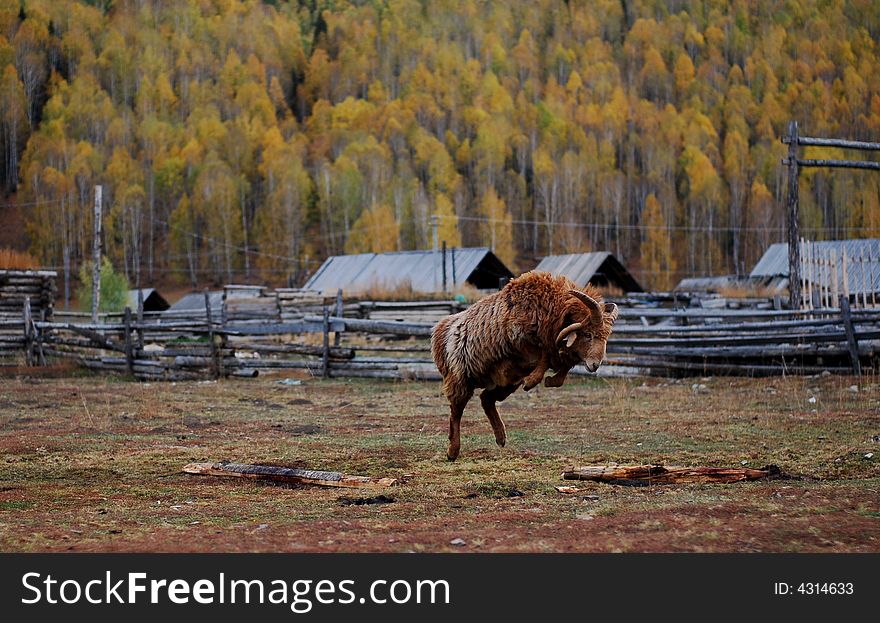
{"type": "Point", "coordinates": [114, 288]}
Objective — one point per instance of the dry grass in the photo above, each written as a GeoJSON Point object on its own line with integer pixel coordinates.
{"type": "Point", "coordinates": [94, 464]}
{"type": "Point", "coordinates": [404, 292]}
{"type": "Point", "coordinates": [611, 292]}
{"type": "Point", "coordinates": [10, 259]}
{"type": "Point", "coordinates": [744, 292]}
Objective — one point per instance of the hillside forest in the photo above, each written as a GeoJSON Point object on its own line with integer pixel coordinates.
{"type": "Point", "coordinates": [248, 139]}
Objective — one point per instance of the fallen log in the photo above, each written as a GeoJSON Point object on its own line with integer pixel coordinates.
{"type": "Point", "coordinates": [287, 474]}
{"type": "Point", "coordinates": [643, 475]}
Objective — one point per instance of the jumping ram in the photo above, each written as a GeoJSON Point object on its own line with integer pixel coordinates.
{"type": "Point", "coordinates": [511, 338]}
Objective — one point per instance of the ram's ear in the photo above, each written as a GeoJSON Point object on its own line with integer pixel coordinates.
{"type": "Point", "coordinates": [571, 339]}
{"type": "Point", "coordinates": [612, 311]}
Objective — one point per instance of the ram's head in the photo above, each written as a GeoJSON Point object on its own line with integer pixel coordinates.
{"type": "Point", "coordinates": [584, 340]}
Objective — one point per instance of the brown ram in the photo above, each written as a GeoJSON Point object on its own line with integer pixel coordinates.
{"type": "Point", "coordinates": [511, 338]}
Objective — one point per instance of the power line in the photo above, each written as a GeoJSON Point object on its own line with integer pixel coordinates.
{"type": "Point", "coordinates": [486, 219]}
{"type": "Point", "coordinates": [225, 244]}
{"type": "Point", "coordinates": [301, 238]}
{"type": "Point", "coordinates": [31, 204]}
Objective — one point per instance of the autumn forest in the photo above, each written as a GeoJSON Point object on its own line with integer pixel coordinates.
{"type": "Point", "coordinates": [249, 139]}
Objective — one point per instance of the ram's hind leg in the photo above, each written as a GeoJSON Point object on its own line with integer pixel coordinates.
{"type": "Point", "coordinates": [488, 399]}
{"type": "Point", "coordinates": [458, 398]}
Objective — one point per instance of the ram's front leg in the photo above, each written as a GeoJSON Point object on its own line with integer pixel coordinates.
{"type": "Point", "coordinates": [538, 373]}
{"type": "Point", "coordinates": [556, 380]}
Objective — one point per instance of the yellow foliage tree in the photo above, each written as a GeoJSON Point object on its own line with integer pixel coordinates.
{"type": "Point", "coordinates": [571, 117]}
{"type": "Point", "coordinates": [447, 222]}
{"type": "Point", "coordinates": [375, 231]}
{"type": "Point", "coordinates": [497, 229]}
{"type": "Point", "coordinates": [658, 262]}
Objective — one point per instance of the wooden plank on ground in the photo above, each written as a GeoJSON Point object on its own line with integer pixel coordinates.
{"type": "Point", "coordinates": [287, 474]}
{"type": "Point", "coordinates": [641, 475]}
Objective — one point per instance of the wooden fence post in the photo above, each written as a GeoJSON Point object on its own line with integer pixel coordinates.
{"type": "Point", "coordinates": [453, 268]}
{"type": "Point", "coordinates": [129, 350]}
{"type": "Point", "coordinates": [850, 335]}
{"type": "Point", "coordinates": [337, 337]}
{"type": "Point", "coordinates": [28, 333]}
{"type": "Point", "coordinates": [38, 337]}
{"type": "Point", "coordinates": [215, 363]}
{"type": "Point", "coordinates": [140, 318]}
{"type": "Point", "coordinates": [873, 289]}
{"type": "Point", "coordinates": [325, 356]}
{"type": "Point", "coordinates": [835, 285]}
{"type": "Point", "coordinates": [794, 278]}
{"type": "Point", "coordinates": [826, 280]}
{"type": "Point", "coordinates": [803, 258]}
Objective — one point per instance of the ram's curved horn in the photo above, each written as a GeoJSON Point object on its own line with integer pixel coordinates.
{"type": "Point", "coordinates": [567, 330]}
{"type": "Point", "coordinates": [612, 310]}
{"type": "Point", "coordinates": [592, 305]}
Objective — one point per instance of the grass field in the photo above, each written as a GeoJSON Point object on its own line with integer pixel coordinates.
{"type": "Point", "coordinates": [94, 464]}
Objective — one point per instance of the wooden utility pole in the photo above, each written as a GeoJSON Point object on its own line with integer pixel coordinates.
{"type": "Point", "coordinates": [435, 249]}
{"type": "Point", "coordinates": [96, 256]}
{"type": "Point", "coordinates": [443, 264]}
{"type": "Point", "coordinates": [794, 256]}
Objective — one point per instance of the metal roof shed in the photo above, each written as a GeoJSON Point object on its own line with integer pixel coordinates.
{"type": "Point", "coordinates": [194, 303]}
{"type": "Point", "coordinates": [420, 270]}
{"type": "Point", "coordinates": [153, 301]}
{"type": "Point", "coordinates": [598, 268]}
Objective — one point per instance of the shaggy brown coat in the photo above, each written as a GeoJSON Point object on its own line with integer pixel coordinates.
{"type": "Point", "coordinates": [512, 338]}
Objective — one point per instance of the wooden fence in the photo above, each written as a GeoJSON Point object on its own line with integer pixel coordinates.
{"type": "Point", "coordinates": [379, 340]}
{"type": "Point", "coordinates": [794, 141]}
{"type": "Point", "coordinates": [828, 273]}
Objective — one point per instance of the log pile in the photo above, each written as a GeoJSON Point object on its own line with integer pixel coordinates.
{"type": "Point", "coordinates": [249, 305]}
{"type": "Point", "coordinates": [17, 285]}
{"type": "Point", "coordinates": [294, 304]}
{"type": "Point", "coordinates": [410, 311]}
{"type": "Point", "coordinates": [25, 296]}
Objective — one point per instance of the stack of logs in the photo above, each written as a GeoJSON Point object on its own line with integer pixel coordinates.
{"type": "Point", "coordinates": [25, 296]}
{"type": "Point", "coordinates": [37, 285]}
{"type": "Point", "coordinates": [294, 304]}
{"type": "Point", "coordinates": [249, 305]}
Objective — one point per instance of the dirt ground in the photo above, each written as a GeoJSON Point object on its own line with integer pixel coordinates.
{"type": "Point", "coordinates": [94, 464]}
